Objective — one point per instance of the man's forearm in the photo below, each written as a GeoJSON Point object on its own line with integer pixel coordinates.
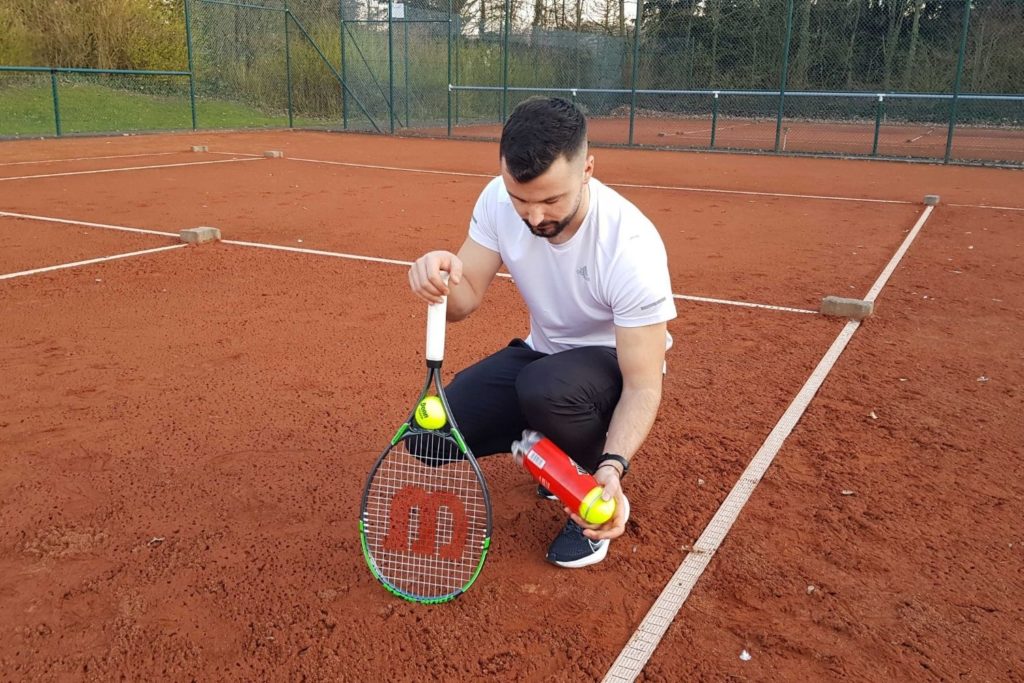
{"type": "Point", "coordinates": [462, 300]}
{"type": "Point", "coordinates": [632, 420]}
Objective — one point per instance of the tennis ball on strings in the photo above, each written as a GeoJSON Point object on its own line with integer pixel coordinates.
{"type": "Point", "coordinates": [595, 509]}
{"type": "Point", "coordinates": [430, 413]}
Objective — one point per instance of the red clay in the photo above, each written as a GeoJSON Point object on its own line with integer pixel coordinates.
{"type": "Point", "coordinates": [184, 442]}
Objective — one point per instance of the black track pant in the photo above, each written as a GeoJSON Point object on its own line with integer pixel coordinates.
{"type": "Point", "coordinates": [568, 396]}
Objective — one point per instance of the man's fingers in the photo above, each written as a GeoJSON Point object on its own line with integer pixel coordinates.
{"type": "Point", "coordinates": [455, 270]}
{"type": "Point", "coordinates": [438, 283]}
{"type": "Point", "coordinates": [425, 278]}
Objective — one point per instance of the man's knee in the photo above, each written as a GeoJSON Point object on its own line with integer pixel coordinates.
{"type": "Point", "coordinates": [537, 391]}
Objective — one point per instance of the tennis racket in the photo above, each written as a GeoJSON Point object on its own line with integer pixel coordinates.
{"type": "Point", "coordinates": [425, 521]}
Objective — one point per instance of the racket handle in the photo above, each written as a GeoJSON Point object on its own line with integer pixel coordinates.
{"type": "Point", "coordinates": [436, 321]}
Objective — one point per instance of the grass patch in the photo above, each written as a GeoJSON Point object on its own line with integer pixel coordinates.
{"type": "Point", "coordinates": [27, 110]}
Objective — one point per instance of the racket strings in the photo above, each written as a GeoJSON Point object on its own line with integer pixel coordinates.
{"type": "Point", "coordinates": [426, 517]}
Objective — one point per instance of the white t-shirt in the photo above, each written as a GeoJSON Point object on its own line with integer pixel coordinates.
{"type": "Point", "coordinates": [613, 271]}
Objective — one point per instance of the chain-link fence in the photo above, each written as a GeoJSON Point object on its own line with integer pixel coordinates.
{"type": "Point", "coordinates": [933, 79]}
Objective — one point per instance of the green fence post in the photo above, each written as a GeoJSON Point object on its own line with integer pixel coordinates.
{"type": "Point", "coordinates": [288, 65]}
{"type": "Point", "coordinates": [191, 66]}
{"type": "Point", "coordinates": [344, 76]}
{"type": "Point", "coordinates": [956, 81]}
{"type": "Point", "coordinates": [391, 68]}
{"type": "Point", "coordinates": [504, 61]}
{"type": "Point", "coordinates": [405, 58]}
{"type": "Point", "coordinates": [458, 67]}
{"type": "Point", "coordinates": [879, 110]}
{"type": "Point", "coordinates": [56, 100]}
{"type": "Point", "coordinates": [785, 73]}
{"type": "Point", "coordinates": [636, 68]}
{"type": "Point", "coordinates": [449, 68]}
{"type": "Point", "coordinates": [714, 119]}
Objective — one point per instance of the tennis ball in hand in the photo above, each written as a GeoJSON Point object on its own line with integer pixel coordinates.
{"type": "Point", "coordinates": [430, 413]}
{"type": "Point", "coordinates": [595, 509]}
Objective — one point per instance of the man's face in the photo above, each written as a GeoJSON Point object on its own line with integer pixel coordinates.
{"type": "Point", "coordinates": [550, 202]}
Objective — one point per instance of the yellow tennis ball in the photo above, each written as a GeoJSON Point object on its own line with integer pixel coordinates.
{"type": "Point", "coordinates": [595, 509]}
{"type": "Point", "coordinates": [430, 413]}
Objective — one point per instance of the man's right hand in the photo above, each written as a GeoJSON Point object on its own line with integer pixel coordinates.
{"type": "Point", "coordinates": [425, 275]}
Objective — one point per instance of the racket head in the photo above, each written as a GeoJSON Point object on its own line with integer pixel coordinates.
{"type": "Point", "coordinates": [425, 521]}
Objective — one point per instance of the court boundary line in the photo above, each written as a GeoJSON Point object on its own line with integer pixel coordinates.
{"type": "Point", "coordinates": [669, 188]}
{"type": "Point", "coordinates": [645, 639]}
{"type": "Point", "coordinates": [359, 257]}
{"type": "Point", "coordinates": [122, 170]}
{"type": "Point", "coordinates": [402, 169]}
{"type": "Point", "coordinates": [988, 206]}
{"type": "Point", "coordinates": [67, 221]}
{"type": "Point", "coordinates": [112, 156]}
{"type": "Point", "coordinates": [87, 262]}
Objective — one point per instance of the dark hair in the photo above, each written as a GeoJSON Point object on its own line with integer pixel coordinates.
{"type": "Point", "coordinates": [540, 130]}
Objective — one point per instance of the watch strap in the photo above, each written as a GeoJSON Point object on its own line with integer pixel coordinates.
{"type": "Point", "coordinates": [606, 457]}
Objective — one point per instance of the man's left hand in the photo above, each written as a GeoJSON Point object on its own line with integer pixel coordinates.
{"type": "Point", "coordinates": [608, 477]}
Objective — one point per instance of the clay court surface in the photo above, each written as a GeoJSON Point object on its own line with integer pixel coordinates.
{"type": "Point", "coordinates": [185, 433]}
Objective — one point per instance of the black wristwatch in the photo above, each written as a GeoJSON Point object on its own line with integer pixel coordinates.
{"type": "Point", "coordinates": [616, 458]}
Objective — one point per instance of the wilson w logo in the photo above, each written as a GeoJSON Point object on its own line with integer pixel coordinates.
{"type": "Point", "coordinates": [429, 507]}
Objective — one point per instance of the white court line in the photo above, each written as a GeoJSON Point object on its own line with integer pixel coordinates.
{"type": "Point", "coordinates": [114, 156]}
{"type": "Point", "coordinates": [928, 132]}
{"type": "Point", "coordinates": [357, 257]}
{"type": "Point", "coordinates": [747, 304]}
{"type": "Point", "coordinates": [751, 193]}
{"type": "Point", "coordinates": [129, 168]}
{"type": "Point", "coordinates": [645, 639]}
{"type": "Point", "coordinates": [895, 260]}
{"type": "Point", "coordinates": [90, 261]}
{"type": "Point", "coordinates": [989, 206]}
{"type": "Point", "coordinates": [708, 130]}
{"type": "Point", "coordinates": [235, 154]}
{"type": "Point", "coordinates": [675, 188]}
{"type": "Point", "coordinates": [317, 252]}
{"type": "Point", "coordinates": [105, 226]}
{"type": "Point", "coordinates": [393, 168]}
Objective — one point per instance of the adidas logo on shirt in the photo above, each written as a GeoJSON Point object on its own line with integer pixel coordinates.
{"type": "Point", "coordinates": [582, 272]}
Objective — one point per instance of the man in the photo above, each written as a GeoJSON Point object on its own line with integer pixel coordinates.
{"type": "Point", "coordinates": [593, 272]}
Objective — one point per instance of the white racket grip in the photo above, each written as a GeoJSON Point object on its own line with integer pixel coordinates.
{"type": "Point", "coordinates": [436, 321]}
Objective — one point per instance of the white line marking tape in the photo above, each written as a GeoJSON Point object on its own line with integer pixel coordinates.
{"type": "Point", "coordinates": [317, 252]}
{"type": "Point", "coordinates": [121, 170]}
{"type": "Point", "coordinates": [645, 639]}
{"type": "Point", "coordinates": [750, 193]}
{"type": "Point", "coordinates": [988, 206]}
{"type": "Point", "coordinates": [113, 156]}
{"type": "Point", "coordinates": [747, 304]}
{"type": "Point", "coordinates": [673, 188]}
{"type": "Point", "coordinates": [357, 257]}
{"type": "Point", "coordinates": [393, 168]}
{"type": "Point", "coordinates": [105, 226]}
{"type": "Point", "coordinates": [238, 154]}
{"type": "Point", "coordinates": [895, 260]}
{"type": "Point", "coordinates": [89, 262]}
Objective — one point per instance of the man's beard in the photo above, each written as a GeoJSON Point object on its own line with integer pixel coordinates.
{"type": "Point", "coordinates": [551, 229]}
